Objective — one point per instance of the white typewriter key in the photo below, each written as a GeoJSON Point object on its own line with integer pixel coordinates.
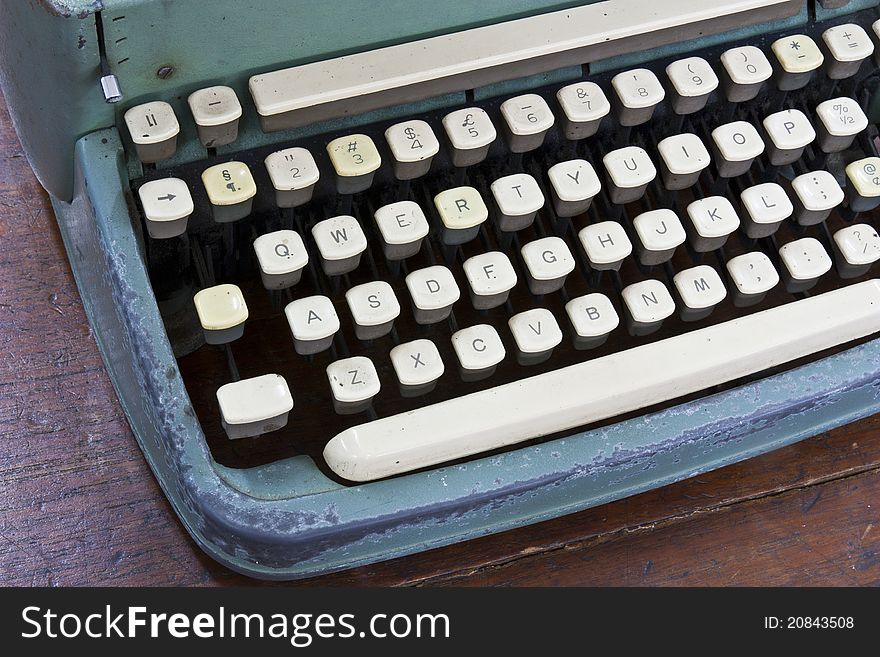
{"type": "Point", "coordinates": [282, 256]}
{"type": "Point", "coordinates": [875, 28]}
{"type": "Point", "coordinates": [693, 80]}
{"type": "Point", "coordinates": [479, 350]}
{"type": "Point", "coordinates": [606, 245]}
{"type": "Point", "coordinates": [402, 226]}
{"type": "Point", "coordinates": [413, 145]}
{"type": "Point", "coordinates": [252, 407]}
{"type": "Point", "coordinates": [527, 119]}
{"type": "Point", "coordinates": [659, 233]}
{"type": "Point", "coordinates": [374, 307]}
{"type": "Point", "coordinates": [433, 290]}
{"type": "Point", "coordinates": [606, 387]}
{"type": "Point", "coordinates": [856, 248]}
{"type": "Point", "coordinates": [682, 159]}
{"type": "Point", "coordinates": [803, 262]}
{"type": "Point", "coordinates": [294, 174]}
{"type": "Point", "coordinates": [313, 323]}
{"type": "Point", "coordinates": [470, 133]}
{"type": "Point", "coordinates": [462, 211]}
{"type": "Point", "coordinates": [167, 206]}
{"type": "Point", "coordinates": [222, 313]}
{"type": "Point", "coordinates": [630, 170]}
{"type": "Point", "coordinates": [736, 146]}
{"type": "Point", "coordinates": [863, 184]}
{"type": "Point", "coordinates": [231, 190]}
{"type": "Point", "coordinates": [798, 56]}
{"type": "Point", "coordinates": [355, 160]}
{"type": "Point", "coordinates": [712, 220]}
{"type": "Point", "coordinates": [592, 317]}
{"type": "Point", "coordinates": [753, 275]}
{"type": "Point", "coordinates": [536, 333]}
{"type": "Point", "coordinates": [584, 105]}
{"type": "Point", "coordinates": [353, 382]}
{"type": "Point", "coordinates": [767, 206]}
{"type": "Point", "coordinates": [849, 45]}
{"type": "Point", "coordinates": [490, 277]}
{"type": "Point", "coordinates": [518, 198]}
{"type": "Point", "coordinates": [789, 132]}
{"type": "Point", "coordinates": [548, 261]}
{"type": "Point", "coordinates": [700, 289]}
{"type": "Point", "coordinates": [341, 241]}
{"type": "Point", "coordinates": [216, 111]}
{"type": "Point", "coordinates": [636, 94]}
{"type": "Point", "coordinates": [573, 184]}
{"type": "Point", "coordinates": [745, 69]}
{"type": "Point", "coordinates": [647, 304]}
{"type": "Point", "coordinates": [840, 120]}
{"type": "Point", "coordinates": [816, 193]}
{"type": "Point", "coordinates": [417, 365]}
{"type": "Point", "coordinates": [153, 128]}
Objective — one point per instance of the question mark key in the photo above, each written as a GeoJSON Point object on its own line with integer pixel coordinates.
{"type": "Point", "coordinates": [857, 247]}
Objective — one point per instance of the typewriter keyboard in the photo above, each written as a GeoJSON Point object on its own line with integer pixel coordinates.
{"type": "Point", "coordinates": [418, 291]}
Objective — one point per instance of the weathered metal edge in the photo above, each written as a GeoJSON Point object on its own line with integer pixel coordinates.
{"type": "Point", "coordinates": [324, 531]}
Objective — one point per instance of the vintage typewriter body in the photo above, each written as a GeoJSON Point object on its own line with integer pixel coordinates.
{"type": "Point", "coordinates": [372, 278]}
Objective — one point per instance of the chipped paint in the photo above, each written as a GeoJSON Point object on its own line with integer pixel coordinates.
{"type": "Point", "coordinates": [72, 8]}
{"type": "Point", "coordinates": [328, 527]}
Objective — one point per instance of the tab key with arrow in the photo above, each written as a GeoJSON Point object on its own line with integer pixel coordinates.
{"type": "Point", "coordinates": [167, 206]}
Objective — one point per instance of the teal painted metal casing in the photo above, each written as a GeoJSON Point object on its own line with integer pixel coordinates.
{"type": "Point", "coordinates": [50, 67]}
{"type": "Point", "coordinates": [287, 520]}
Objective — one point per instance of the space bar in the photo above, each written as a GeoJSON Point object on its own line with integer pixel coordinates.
{"type": "Point", "coordinates": [598, 389]}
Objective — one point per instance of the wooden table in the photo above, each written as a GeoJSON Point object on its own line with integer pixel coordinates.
{"type": "Point", "coordinates": [80, 506]}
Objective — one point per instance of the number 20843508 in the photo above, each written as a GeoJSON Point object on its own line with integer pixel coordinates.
{"type": "Point", "coordinates": [809, 622]}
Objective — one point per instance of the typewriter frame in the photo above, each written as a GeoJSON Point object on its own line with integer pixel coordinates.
{"type": "Point", "coordinates": [286, 520]}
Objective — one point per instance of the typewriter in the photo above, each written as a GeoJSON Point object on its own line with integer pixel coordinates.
{"type": "Point", "coordinates": [373, 278]}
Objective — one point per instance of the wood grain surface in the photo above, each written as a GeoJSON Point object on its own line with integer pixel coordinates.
{"type": "Point", "coordinates": [78, 504]}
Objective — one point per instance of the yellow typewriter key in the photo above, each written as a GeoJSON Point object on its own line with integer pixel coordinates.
{"type": "Point", "coordinates": [863, 188]}
{"type": "Point", "coordinates": [222, 313]}
{"type": "Point", "coordinates": [461, 210]}
{"type": "Point", "coordinates": [798, 56]}
{"type": "Point", "coordinates": [355, 160]}
{"type": "Point", "coordinates": [231, 190]}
